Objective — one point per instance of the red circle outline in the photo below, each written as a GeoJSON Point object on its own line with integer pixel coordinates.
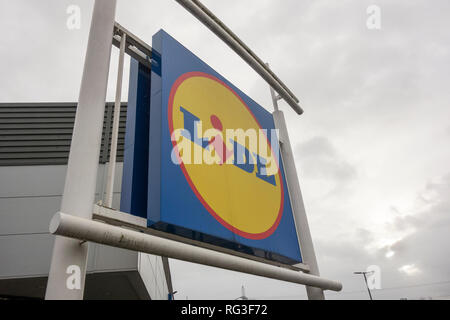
{"type": "Point", "coordinates": [251, 236]}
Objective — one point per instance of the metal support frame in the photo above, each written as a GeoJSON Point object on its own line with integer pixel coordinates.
{"type": "Point", "coordinates": [75, 226]}
{"type": "Point", "coordinates": [135, 47]}
{"type": "Point", "coordinates": [116, 123]}
{"type": "Point", "coordinates": [226, 35]}
{"type": "Point", "coordinates": [88, 230]}
{"type": "Point", "coordinates": [122, 219]}
{"type": "Point", "coordinates": [81, 178]}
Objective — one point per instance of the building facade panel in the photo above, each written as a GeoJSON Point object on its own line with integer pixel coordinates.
{"type": "Point", "coordinates": [33, 158]}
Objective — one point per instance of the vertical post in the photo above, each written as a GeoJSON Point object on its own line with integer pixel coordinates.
{"type": "Point", "coordinates": [367, 285]}
{"type": "Point", "coordinates": [274, 95]}
{"type": "Point", "coordinates": [116, 124]}
{"type": "Point", "coordinates": [69, 260]}
{"type": "Point", "coordinates": [300, 218]}
{"type": "Point", "coordinates": [274, 99]}
{"type": "Point", "coordinates": [365, 273]}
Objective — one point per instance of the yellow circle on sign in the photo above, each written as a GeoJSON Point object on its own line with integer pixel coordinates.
{"type": "Point", "coordinates": [239, 199]}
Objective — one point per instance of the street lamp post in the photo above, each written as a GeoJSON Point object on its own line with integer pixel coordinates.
{"type": "Point", "coordinates": [365, 273]}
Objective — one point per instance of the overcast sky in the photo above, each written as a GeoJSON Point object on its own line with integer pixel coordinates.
{"type": "Point", "coordinates": [372, 148]}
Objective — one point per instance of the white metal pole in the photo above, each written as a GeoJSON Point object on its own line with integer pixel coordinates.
{"type": "Point", "coordinates": [116, 124]}
{"type": "Point", "coordinates": [300, 218]}
{"type": "Point", "coordinates": [274, 95]}
{"type": "Point", "coordinates": [89, 230]}
{"type": "Point", "coordinates": [69, 259]}
{"type": "Point", "coordinates": [274, 99]}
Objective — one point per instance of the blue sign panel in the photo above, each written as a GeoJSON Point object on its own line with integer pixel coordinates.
{"type": "Point", "coordinates": [214, 173]}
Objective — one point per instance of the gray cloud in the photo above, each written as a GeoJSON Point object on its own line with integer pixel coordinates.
{"type": "Point", "coordinates": [319, 159]}
{"type": "Point", "coordinates": [426, 248]}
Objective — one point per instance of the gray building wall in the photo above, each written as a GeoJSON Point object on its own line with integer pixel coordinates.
{"type": "Point", "coordinates": [29, 196]}
{"type": "Point", "coordinates": [37, 140]}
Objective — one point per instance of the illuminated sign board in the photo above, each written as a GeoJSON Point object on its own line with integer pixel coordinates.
{"type": "Point", "coordinates": [214, 171]}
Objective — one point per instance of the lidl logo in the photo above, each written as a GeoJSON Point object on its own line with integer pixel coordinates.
{"type": "Point", "coordinates": [236, 178]}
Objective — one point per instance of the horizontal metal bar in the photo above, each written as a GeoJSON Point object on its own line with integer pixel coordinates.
{"type": "Point", "coordinates": [36, 109]}
{"type": "Point", "coordinates": [133, 39]}
{"type": "Point", "coordinates": [135, 47]}
{"type": "Point", "coordinates": [36, 125]}
{"type": "Point", "coordinates": [36, 137]}
{"type": "Point", "coordinates": [19, 115]}
{"type": "Point", "coordinates": [118, 218]}
{"type": "Point", "coordinates": [36, 120]}
{"type": "Point", "coordinates": [39, 137]}
{"type": "Point", "coordinates": [235, 37]}
{"type": "Point", "coordinates": [40, 162]}
{"type": "Point", "coordinates": [32, 162]}
{"type": "Point", "coordinates": [35, 131]}
{"type": "Point", "coordinates": [34, 155]}
{"type": "Point", "coordinates": [36, 104]}
{"type": "Point", "coordinates": [34, 149]}
{"type": "Point", "coordinates": [219, 29]}
{"type": "Point", "coordinates": [121, 140]}
{"type": "Point", "coordinates": [88, 230]}
{"type": "Point", "coordinates": [31, 143]}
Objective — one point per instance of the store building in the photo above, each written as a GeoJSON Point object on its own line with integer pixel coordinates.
{"type": "Point", "coordinates": [34, 148]}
